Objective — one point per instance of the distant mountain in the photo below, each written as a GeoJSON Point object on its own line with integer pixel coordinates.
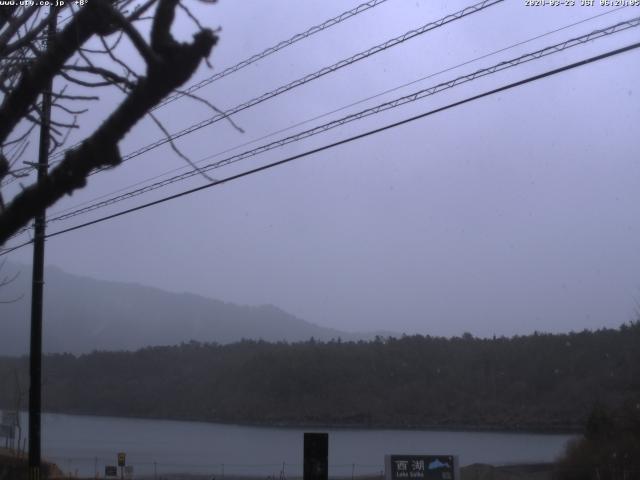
{"type": "Point", "coordinates": [84, 314]}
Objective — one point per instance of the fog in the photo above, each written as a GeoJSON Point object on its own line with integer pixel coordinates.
{"type": "Point", "coordinates": [513, 213]}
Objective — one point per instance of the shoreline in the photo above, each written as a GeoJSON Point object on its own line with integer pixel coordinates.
{"type": "Point", "coordinates": [518, 429]}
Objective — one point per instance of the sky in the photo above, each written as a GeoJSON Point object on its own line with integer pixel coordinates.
{"type": "Point", "coordinates": [513, 213]}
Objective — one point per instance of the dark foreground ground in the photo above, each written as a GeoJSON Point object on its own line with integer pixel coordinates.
{"type": "Point", "coordinates": [471, 472]}
{"type": "Point", "coordinates": [12, 469]}
{"type": "Point", "coordinates": [541, 471]}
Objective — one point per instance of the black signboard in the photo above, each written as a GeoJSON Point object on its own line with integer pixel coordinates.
{"type": "Point", "coordinates": [422, 467]}
{"type": "Point", "coordinates": [110, 471]}
{"type": "Point", "coordinates": [316, 456]}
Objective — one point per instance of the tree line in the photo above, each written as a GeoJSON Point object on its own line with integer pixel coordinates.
{"type": "Point", "coordinates": [547, 382]}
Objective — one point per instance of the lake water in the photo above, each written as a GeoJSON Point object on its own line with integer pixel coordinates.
{"type": "Point", "coordinates": [85, 444]}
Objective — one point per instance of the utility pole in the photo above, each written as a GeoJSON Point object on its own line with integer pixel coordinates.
{"type": "Point", "coordinates": [35, 355]}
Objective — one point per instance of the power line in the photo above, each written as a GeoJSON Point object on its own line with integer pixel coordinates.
{"type": "Point", "coordinates": [358, 102]}
{"type": "Point", "coordinates": [359, 136]}
{"type": "Point", "coordinates": [273, 49]}
{"type": "Point", "coordinates": [619, 27]}
{"type": "Point", "coordinates": [319, 73]}
{"type": "Point", "coordinates": [509, 86]}
{"type": "Point", "coordinates": [7, 251]}
{"type": "Point", "coordinates": [310, 77]}
{"type": "Point", "coordinates": [363, 7]}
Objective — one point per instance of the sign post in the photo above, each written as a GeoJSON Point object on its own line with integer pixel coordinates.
{"type": "Point", "coordinates": [122, 461]}
{"type": "Point", "coordinates": [8, 426]}
{"type": "Point", "coordinates": [8, 432]}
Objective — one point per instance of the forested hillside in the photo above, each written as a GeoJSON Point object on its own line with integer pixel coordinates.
{"type": "Point", "coordinates": [541, 381]}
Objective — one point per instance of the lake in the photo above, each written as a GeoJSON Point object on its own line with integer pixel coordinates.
{"type": "Point", "coordinates": [85, 444]}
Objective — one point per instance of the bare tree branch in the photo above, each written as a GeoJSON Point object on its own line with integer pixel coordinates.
{"type": "Point", "coordinates": [171, 64]}
{"type": "Point", "coordinates": [15, 105]}
{"type": "Point", "coordinates": [211, 106]}
{"type": "Point", "coordinates": [14, 25]}
{"type": "Point", "coordinates": [7, 280]}
{"type": "Point", "coordinates": [177, 150]}
{"type": "Point", "coordinates": [109, 76]}
{"type": "Point", "coordinates": [31, 35]}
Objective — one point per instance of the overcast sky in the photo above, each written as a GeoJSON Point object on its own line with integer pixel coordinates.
{"type": "Point", "coordinates": [513, 213]}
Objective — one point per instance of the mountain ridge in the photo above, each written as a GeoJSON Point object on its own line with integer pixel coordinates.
{"type": "Point", "coordinates": [83, 314]}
